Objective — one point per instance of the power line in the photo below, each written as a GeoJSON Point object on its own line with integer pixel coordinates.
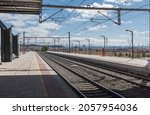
{"type": "Point", "coordinates": [67, 17]}
{"type": "Point", "coordinates": [101, 22]}
{"type": "Point", "coordinates": [59, 23]}
{"type": "Point", "coordinates": [107, 20]}
{"type": "Point", "coordinates": [79, 15]}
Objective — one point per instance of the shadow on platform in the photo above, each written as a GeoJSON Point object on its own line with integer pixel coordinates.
{"type": "Point", "coordinates": [50, 86]}
{"type": "Point", "coordinates": [33, 86]}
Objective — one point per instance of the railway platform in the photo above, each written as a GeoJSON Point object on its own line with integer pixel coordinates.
{"type": "Point", "coordinates": [30, 77]}
{"type": "Point", "coordinates": [119, 60]}
{"type": "Point", "coordinates": [138, 66]}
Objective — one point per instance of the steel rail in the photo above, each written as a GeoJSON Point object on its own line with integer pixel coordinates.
{"type": "Point", "coordinates": [72, 87]}
{"type": "Point", "coordinates": [109, 93]}
{"type": "Point", "coordinates": [107, 71]}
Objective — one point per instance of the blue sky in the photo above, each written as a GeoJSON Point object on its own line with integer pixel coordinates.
{"type": "Point", "coordinates": [78, 22]}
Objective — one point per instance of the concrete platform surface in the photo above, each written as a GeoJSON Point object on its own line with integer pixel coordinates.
{"type": "Point", "coordinates": [30, 77]}
{"type": "Point", "coordinates": [120, 60]}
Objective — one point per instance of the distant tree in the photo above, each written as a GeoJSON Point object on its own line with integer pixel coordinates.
{"type": "Point", "coordinates": [115, 53]}
{"type": "Point", "coordinates": [120, 54]}
{"type": "Point", "coordinates": [126, 54]}
{"type": "Point", "coordinates": [44, 48]}
{"type": "Point", "coordinates": [143, 54]}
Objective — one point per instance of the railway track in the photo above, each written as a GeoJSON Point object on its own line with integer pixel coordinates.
{"type": "Point", "coordinates": [104, 66]}
{"type": "Point", "coordinates": [81, 84]}
{"type": "Point", "coordinates": [131, 78]}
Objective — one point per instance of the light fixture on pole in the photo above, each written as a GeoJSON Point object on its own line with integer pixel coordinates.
{"type": "Point", "coordinates": [104, 45]}
{"type": "Point", "coordinates": [132, 42]}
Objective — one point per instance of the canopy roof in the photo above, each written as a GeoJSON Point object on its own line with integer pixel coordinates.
{"type": "Point", "coordinates": [21, 6]}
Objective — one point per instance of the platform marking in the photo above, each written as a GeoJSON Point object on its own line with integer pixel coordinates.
{"type": "Point", "coordinates": [40, 64]}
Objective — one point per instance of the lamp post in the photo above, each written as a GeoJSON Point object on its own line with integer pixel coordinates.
{"type": "Point", "coordinates": [88, 44]}
{"type": "Point", "coordinates": [72, 47]}
{"type": "Point", "coordinates": [104, 44]}
{"type": "Point", "coordinates": [132, 42]}
{"type": "Point", "coordinates": [69, 40]}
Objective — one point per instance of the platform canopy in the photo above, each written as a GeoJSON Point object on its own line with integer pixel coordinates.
{"type": "Point", "coordinates": [21, 6]}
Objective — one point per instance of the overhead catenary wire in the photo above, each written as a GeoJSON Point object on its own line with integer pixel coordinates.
{"type": "Point", "coordinates": [65, 18]}
{"type": "Point", "coordinates": [99, 22]}
{"type": "Point", "coordinates": [103, 21]}
{"type": "Point", "coordinates": [60, 21]}
{"type": "Point", "coordinates": [57, 25]}
{"type": "Point", "coordinates": [76, 17]}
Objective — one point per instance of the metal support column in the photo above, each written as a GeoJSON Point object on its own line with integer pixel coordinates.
{"type": "Point", "coordinates": [6, 45]}
{"type": "Point", "coordinates": [69, 40]}
{"type": "Point", "coordinates": [23, 41]}
{"type": "Point", "coordinates": [15, 46]}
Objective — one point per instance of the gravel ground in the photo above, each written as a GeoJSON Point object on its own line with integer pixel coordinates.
{"type": "Point", "coordinates": [121, 86]}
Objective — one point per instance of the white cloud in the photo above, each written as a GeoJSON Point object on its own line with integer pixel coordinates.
{"type": "Point", "coordinates": [78, 19]}
{"type": "Point", "coordinates": [137, 0]}
{"type": "Point", "coordinates": [42, 29]}
{"type": "Point", "coordinates": [110, 0]}
{"type": "Point", "coordinates": [16, 17]}
{"type": "Point", "coordinates": [117, 41]}
{"type": "Point", "coordinates": [48, 25]}
{"type": "Point", "coordinates": [28, 23]}
{"type": "Point", "coordinates": [123, 22]}
{"type": "Point", "coordinates": [114, 41]}
{"type": "Point", "coordinates": [122, 2]}
{"type": "Point", "coordinates": [92, 13]}
{"type": "Point", "coordinates": [32, 22]}
{"type": "Point", "coordinates": [97, 27]}
{"type": "Point", "coordinates": [126, 22]}
{"type": "Point", "coordinates": [102, 5]}
{"type": "Point", "coordinates": [141, 33]}
{"type": "Point", "coordinates": [85, 15]}
{"type": "Point", "coordinates": [16, 23]}
{"type": "Point", "coordinates": [99, 41]}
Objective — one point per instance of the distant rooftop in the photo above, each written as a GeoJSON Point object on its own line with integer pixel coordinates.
{"type": "Point", "coordinates": [21, 6]}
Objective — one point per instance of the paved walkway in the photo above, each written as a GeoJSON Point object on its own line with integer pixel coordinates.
{"type": "Point", "coordinates": [29, 76]}
{"type": "Point", "coordinates": [121, 60]}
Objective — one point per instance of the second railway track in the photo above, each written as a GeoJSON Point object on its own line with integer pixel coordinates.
{"type": "Point", "coordinates": [128, 86]}
{"type": "Point", "coordinates": [84, 86]}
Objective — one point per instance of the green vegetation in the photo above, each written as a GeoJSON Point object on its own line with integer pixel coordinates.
{"type": "Point", "coordinates": [120, 54]}
{"type": "Point", "coordinates": [143, 54]}
{"type": "Point", "coordinates": [44, 48]}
